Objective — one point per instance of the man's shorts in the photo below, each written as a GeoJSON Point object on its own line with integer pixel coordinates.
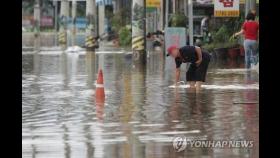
{"type": "Point", "coordinates": [195, 73]}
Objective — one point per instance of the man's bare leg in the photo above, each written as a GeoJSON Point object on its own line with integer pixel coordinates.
{"type": "Point", "coordinates": [192, 84]}
{"type": "Point", "coordinates": [198, 85]}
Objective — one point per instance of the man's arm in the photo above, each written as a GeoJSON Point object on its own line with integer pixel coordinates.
{"type": "Point", "coordinates": [199, 55]}
{"type": "Point", "coordinates": [177, 75]}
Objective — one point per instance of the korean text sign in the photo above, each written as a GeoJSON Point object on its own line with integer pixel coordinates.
{"type": "Point", "coordinates": [226, 8]}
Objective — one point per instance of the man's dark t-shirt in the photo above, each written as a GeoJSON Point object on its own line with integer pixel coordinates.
{"type": "Point", "coordinates": [189, 54]}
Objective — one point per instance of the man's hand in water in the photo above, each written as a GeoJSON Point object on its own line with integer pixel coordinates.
{"type": "Point", "coordinates": [177, 76]}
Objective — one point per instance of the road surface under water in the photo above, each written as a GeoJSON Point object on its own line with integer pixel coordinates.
{"type": "Point", "coordinates": [142, 112]}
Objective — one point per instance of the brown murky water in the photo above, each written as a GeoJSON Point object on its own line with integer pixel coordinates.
{"type": "Point", "coordinates": [141, 114]}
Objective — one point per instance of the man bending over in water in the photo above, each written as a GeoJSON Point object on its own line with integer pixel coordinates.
{"type": "Point", "coordinates": [199, 60]}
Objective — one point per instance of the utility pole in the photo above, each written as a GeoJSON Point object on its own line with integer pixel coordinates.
{"type": "Point", "coordinates": [55, 22]}
{"type": "Point", "coordinates": [37, 26]}
{"type": "Point", "coordinates": [190, 14]}
{"type": "Point", "coordinates": [90, 41]}
{"type": "Point", "coordinates": [139, 31]}
{"type": "Point", "coordinates": [185, 7]}
{"type": "Point", "coordinates": [161, 15]}
{"type": "Point", "coordinates": [74, 9]}
{"type": "Point", "coordinates": [253, 4]}
{"type": "Point", "coordinates": [173, 6]}
{"type": "Point", "coordinates": [101, 20]}
{"type": "Point", "coordinates": [249, 6]}
{"type": "Point", "coordinates": [64, 14]}
{"type": "Point", "coordinates": [166, 13]}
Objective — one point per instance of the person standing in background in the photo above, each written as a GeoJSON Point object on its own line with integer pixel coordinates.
{"type": "Point", "coordinates": [250, 29]}
{"type": "Point", "coordinates": [204, 28]}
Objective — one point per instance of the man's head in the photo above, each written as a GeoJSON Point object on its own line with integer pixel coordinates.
{"type": "Point", "coordinates": [173, 51]}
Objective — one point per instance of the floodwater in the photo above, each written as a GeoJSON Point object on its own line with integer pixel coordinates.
{"type": "Point", "coordinates": [143, 112]}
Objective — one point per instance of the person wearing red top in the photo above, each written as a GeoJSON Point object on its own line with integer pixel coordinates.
{"type": "Point", "coordinates": [250, 29]}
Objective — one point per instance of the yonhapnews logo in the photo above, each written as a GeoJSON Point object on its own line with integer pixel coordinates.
{"type": "Point", "coordinates": [181, 143]}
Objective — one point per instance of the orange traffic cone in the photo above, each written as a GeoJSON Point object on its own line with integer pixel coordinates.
{"type": "Point", "coordinates": [99, 91]}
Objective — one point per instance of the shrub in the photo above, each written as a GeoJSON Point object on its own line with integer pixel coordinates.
{"type": "Point", "coordinates": [178, 20]}
{"type": "Point", "coordinates": [221, 35]}
{"type": "Point", "coordinates": [125, 36]}
{"type": "Point", "coordinates": [209, 47]}
{"type": "Point", "coordinates": [117, 21]}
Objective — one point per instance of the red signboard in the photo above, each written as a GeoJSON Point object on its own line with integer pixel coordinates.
{"type": "Point", "coordinates": [227, 3]}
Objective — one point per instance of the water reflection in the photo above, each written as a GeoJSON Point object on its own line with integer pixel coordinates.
{"type": "Point", "coordinates": [67, 148]}
{"type": "Point", "coordinates": [141, 113]}
{"type": "Point", "coordinates": [90, 68]}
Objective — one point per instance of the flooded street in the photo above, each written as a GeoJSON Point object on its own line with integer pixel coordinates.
{"type": "Point", "coordinates": [143, 112]}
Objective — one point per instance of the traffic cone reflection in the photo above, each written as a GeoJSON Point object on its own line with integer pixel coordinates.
{"type": "Point", "coordinates": [99, 111]}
